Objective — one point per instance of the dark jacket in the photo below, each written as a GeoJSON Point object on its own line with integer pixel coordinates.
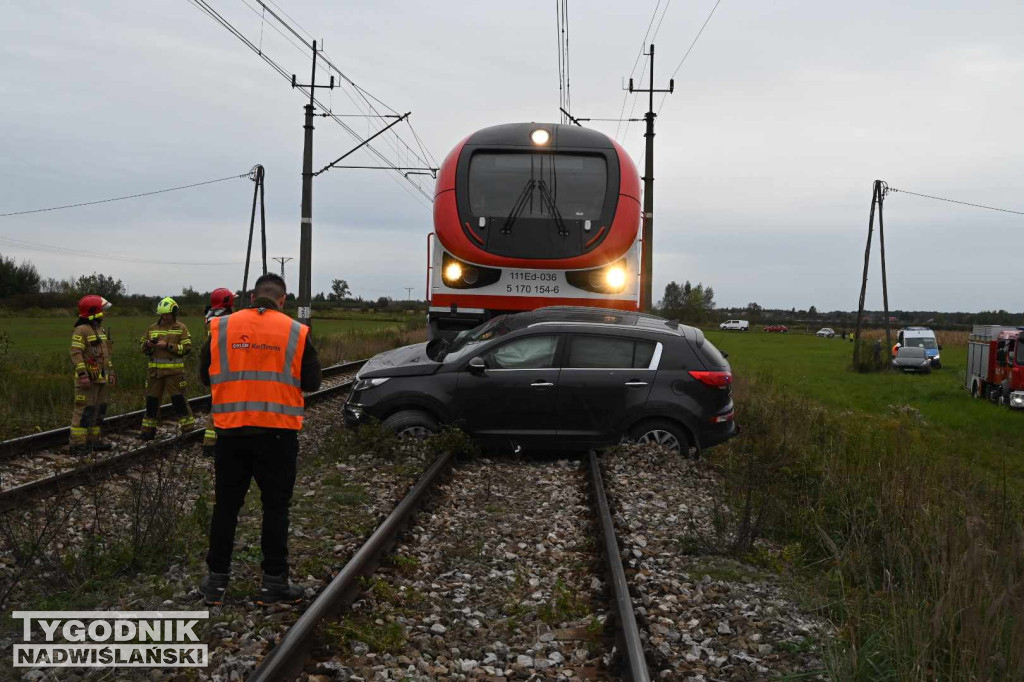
{"type": "Point", "coordinates": [310, 377]}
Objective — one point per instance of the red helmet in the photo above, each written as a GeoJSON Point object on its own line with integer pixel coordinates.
{"type": "Point", "coordinates": [91, 307]}
{"type": "Point", "coordinates": [222, 298]}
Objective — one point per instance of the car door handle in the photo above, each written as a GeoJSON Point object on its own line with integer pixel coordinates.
{"type": "Point", "coordinates": [542, 384]}
{"type": "Point", "coordinates": [635, 383]}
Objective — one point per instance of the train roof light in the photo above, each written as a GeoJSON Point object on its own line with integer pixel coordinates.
{"type": "Point", "coordinates": [540, 137]}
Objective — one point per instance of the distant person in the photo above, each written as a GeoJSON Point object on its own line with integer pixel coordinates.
{"type": "Point", "coordinates": [94, 370]}
{"type": "Point", "coordinates": [896, 349]}
{"type": "Point", "coordinates": [258, 361]}
{"type": "Point", "coordinates": [877, 350]}
{"type": "Point", "coordinates": [222, 302]}
{"type": "Point", "coordinates": [166, 344]}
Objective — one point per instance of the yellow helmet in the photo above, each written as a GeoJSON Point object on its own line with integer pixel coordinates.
{"type": "Point", "coordinates": [167, 307]}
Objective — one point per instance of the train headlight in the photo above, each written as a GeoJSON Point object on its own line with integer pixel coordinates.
{"type": "Point", "coordinates": [615, 277]}
{"type": "Point", "coordinates": [452, 273]}
{"type": "Point", "coordinates": [540, 137]}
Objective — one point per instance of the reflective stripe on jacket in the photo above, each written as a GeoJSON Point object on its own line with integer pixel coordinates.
{"type": "Point", "coordinates": [256, 370]}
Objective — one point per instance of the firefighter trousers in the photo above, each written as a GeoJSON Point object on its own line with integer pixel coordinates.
{"type": "Point", "coordinates": [174, 386]}
{"type": "Point", "coordinates": [90, 410]}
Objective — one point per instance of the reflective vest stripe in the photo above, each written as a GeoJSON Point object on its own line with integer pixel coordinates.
{"type": "Point", "coordinates": [253, 406]}
{"type": "Point", "coordinates": [252, 375]}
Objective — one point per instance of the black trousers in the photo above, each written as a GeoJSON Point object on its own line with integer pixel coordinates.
{"type": "Point", "coordinates": [270, 459]}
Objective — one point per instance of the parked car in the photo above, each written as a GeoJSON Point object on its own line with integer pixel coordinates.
{"type": "Point", "coordinates": [826, 332]}
{"type": "Point", "coordinates": [921, 337]}
{"type": "Point", "coordinates": [912, 359]}
{"type": "Point", "coordinates": [776, 329]}
{"type": "Point", "coordinates": [735, 325]}
{"type": "Point", "coordinates": [556, 378]}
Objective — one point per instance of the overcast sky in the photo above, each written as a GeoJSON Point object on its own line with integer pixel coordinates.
{"type": "Point", "coordinates": [783, 115]}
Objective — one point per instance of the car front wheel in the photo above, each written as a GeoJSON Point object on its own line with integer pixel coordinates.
{"type": "Point", "coordinates": [410, 424]}
{"type": "Point", "coordinates": [663, 433]}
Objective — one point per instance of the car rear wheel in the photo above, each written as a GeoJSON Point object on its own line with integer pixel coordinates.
{"type": "Point", "coordinates": [410, 424]}
{"type": "Point", "coordinates": [663, 433]}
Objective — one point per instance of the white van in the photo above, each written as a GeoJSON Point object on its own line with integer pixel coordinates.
{"type": "Point", "coordinates": [735, 325]}
{"type": "Point", "coordinates": [921, 337]}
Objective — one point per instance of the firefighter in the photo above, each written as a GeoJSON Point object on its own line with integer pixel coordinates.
{"type": "Point", "coordinates": [222, 302]}
{"type": "Point", "coordinates": [94, 370]}
{"type": "Point", "coordinates": [166, 343]}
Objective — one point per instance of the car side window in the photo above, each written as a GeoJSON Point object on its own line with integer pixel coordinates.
{"type": "Point", "coordinates": [529, 352]}
{"type": "Point", "coordinates": [609, 352]}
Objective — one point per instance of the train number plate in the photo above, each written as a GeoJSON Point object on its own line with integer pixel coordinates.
{"type": "Point", "coordinates": [533, 283]}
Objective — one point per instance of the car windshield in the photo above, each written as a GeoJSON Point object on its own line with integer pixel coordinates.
{"type": "Point", "coordinates": [469, 339]}
{"type": "Point", "coordinates": [912, 352]}
{"type": "Point", "coordinates": [920, 342]}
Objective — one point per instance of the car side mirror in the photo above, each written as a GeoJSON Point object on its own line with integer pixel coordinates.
{"type": "Point", "coordinates": [724, 354]}
{"type": "Point", "coordinates": [940, 346]}
{"type": "Point", "coordinates": [477, 365]}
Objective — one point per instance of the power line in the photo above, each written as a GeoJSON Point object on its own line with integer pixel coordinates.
{"type": "Point", "coordinates": [640, 52]}
{"type": "Point", "coordinates": [130, 196]}
{"type": "Point", "coordinates": [955, 201]}
{"type": "Point", "coordinates": [50, 248]}
{"type": "Point", "coordinates": [204, 6]}
{"type": "Point", "coordinates": [654, 35]}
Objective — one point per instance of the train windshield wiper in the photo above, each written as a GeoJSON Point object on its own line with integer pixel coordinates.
{"type": "Point", "coordinates": [545, 194]}
{"type": "Point", "coordinates": [517, 208]}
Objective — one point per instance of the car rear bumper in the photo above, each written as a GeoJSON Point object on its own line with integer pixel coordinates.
{"type": "Point", "coordinates": [718, 434]}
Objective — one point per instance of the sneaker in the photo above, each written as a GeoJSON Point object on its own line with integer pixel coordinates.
{"type": "Point", "coordinates": [102, 446]}
{"type": "Point", "coordinates": [276, 589]}
{"type": "Point", "coordinates": [213, 586]}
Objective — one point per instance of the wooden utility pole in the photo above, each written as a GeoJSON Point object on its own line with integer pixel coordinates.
{"type": "Point", "coordinates": [647, 254]}
{"type": "Point", "coordinates": [878, 192]}
{"type": "Point", "coordinates": [257, 176]}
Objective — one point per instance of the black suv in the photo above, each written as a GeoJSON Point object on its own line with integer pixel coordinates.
{"type": "Point", "coordinates": [559, 377]}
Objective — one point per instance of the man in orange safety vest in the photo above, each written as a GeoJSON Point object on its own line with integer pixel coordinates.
{"type": "Point", "coordinates": [257, 362]}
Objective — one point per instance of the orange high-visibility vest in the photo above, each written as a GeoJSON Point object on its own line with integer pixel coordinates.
{"type": "Point", "coordinates": [256, 370]}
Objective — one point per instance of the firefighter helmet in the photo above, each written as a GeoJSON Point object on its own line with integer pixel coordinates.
{"type": "Point", "coordinates": [91, 307]}
{"type": "Point", "coordinates": [167, 307]}
{"type": "Point", "coordinates": [222, 298]}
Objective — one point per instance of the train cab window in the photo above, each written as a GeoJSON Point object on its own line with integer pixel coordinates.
{"type": "Point", "coordinates": [499, 181]}
{"type": "Point", "coordinates": [1020, 353]}
{"type": "Point", "coordinates": [609, 352]}
{"type": "Point", "coordinates": [529, 352]}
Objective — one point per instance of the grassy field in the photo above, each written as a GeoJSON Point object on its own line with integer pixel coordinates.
{"type": "Point", "coordinates": [36, 378]}
{"type": "Point", "coordinates": [818, 369]}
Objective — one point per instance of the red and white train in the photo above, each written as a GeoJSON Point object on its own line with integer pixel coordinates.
{"type": "Point", "coordinates": [529, 215]}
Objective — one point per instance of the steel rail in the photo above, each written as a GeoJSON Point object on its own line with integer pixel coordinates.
{"type": "Point", "coordinates": [286, 660]}
{"type": "Point", "coordinates": [49, 486]}
{"type": "Point", "coordinates": [10, 449]}
{"type": "Point", "coordinates": [628, 631]}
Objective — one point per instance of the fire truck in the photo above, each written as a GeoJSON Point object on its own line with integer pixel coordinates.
{"type": "Point", "coordinates": [995, 364]}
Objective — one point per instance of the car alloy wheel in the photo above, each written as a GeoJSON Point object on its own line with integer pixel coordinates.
{"type": "Point", "coordinates": [659, 437]}
{"type": "Point", "coordinates": [418, 432]}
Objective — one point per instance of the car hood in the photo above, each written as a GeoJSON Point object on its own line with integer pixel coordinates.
{"type": "Point", "coordinates": [400, 362]}
{"type": "Point", "coordinates": [910, 362]}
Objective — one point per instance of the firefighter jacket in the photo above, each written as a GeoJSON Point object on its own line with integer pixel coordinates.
{"type": "Point", "coordinates": [90, 351]}
{"type": "Point", "coordinates": [170, 361]}
{"type": "Point", "coordinates": [255, 370]}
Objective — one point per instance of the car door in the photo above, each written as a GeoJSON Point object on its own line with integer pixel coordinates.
{"type": "Point", "coordinates": [604, 380]}
{"type": "Point", "coordinates": [515, 395]}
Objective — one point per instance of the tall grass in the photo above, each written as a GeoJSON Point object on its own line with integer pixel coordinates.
{"type": "Point", "coordinates": [920, 559]}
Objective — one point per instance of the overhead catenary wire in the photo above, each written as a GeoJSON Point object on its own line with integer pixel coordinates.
{"type": "Point", "coordinates": [123, 198]}
{"type": "Point", "coordinates": [640, 53]}
{"type": "Point", "coordinates": [204, 6]}
{"type": "Point", "coordinates": [957, 201]}
{"type": "Point", "coordinates": [636, 97]}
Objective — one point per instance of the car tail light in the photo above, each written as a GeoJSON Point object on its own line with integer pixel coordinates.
{"type": "Point", "coordinates": [716, 379]}
{"type": "Point", "coordinates": [722, 418]}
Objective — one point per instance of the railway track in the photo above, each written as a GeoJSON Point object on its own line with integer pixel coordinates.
{"type": "Point", "coordinates": [61, 480]}
{"type": "Point", "coordinates": [295, 651]}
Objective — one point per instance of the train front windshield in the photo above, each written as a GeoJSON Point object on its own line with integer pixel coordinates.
{"type": "Point", "coordinates": [576, 183]}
